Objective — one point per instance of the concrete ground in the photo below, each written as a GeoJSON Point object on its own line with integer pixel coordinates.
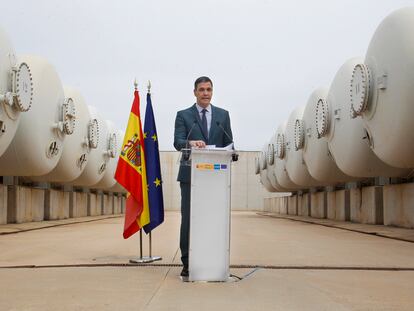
{"type": "Point", "coordinates": [300, 266]}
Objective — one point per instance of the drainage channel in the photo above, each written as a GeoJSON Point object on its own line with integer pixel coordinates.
{"type": "Point", "coordinates": [265, 267]}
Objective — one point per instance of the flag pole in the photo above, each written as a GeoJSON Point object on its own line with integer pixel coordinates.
{"type": "Point", "coordinates": [140, 259]}
{"type": "Point", "coordinates": [140, 243]}
{"type": "Point", "coordinates": [149, 87]}
{"type": "Point", "coordinates": [153, 258]}
{"type": "Point", "coordinates": [145, 259]}
{"type": "Point", "coordinates": [150, 258]}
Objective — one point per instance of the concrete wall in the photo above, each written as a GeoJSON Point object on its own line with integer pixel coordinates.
{"type": "Point", "coordinates": [268, 205]}
{"type": "Point", "coordinates": [304, 204]}
{"type": "Point", "coordinates": [390, 205]}
{"type": "Point", "coordinates": [331, 205]}
{"type": "Point", "coordinates": [283, 205]}
{"type": "Point", "coordinates": [246, 194]}
{"type": "Point", "coordinates": [3, 204]}
{"type": "Point", "coordinates": [399, 205]}
{"type": "Point", "coordinates": [338, 205]}
{"type": "Point", "coordinates": [25, 204]}
{"type": "Point", "coordinates": [78, 206]}
{"type": "Point", "coordinates": [366, 205]}
{"type": "Point", "coordinates": [117, 204]}
{"type": "Point", "coordinates": [94, 204]}
{"type": "Point", "coordinates": [292, 203]}
{"type": "Point", "coordinates": [318, 205]}
{"type": "Point", "coordinates": [123, 204]}
{"type": "Point", "coordinates": [342, 205]}
{"type": "Point", "coordinates": [170, 186]}
{"type": "Point", "coordinates": [20, 204]}
{"type": "Point", "coordinates": [56, 204]}
{"type": "Point", "coordinates": [108, 204]}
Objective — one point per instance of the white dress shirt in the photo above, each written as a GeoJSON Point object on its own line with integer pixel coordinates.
{"type": "Point", "coordinates": [208, 115]}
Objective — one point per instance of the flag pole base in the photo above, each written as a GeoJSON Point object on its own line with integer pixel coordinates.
{"type": "Point", "coordinates": [145, 259]}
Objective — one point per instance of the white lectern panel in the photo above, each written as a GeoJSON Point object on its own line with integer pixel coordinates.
{"type": "Point", "coordinates": [210, 215]}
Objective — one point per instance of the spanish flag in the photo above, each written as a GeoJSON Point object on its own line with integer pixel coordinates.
{"type": "Point", "coordinates": [131, 173]}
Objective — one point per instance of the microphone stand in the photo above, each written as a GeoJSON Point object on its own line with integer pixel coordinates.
{"type": "Point", "coordinates": [234, 156]}
{"type": "Point", "coordinates": [187, 151]}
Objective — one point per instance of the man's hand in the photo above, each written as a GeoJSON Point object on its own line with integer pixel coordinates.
{"type": "Point", "coordinates": [197, 143]}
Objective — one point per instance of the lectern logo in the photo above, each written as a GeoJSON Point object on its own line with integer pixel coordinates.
{"type": "Point", "coordinates": [132, 150]}
{"type": "Point", "coordinates": [211, 166]}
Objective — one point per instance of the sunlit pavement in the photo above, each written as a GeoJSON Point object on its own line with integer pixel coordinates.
{"type": "Point", "coordinates": [283, 265]}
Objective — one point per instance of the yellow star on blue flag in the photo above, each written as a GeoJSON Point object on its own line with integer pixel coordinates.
{"type": "Point", "coordinates": [157, 182]}
{"type": "Point", "coordinates": [153, 168]}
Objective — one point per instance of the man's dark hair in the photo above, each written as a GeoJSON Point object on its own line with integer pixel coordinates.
{"type": "Point", "coordinates": [202, 80]}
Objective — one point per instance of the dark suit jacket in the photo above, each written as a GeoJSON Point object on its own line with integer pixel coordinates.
{"type": "Point", "coordinates": [190, 118]}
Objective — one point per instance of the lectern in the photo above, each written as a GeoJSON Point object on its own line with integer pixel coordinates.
{"type": "Point", "coordinates": [209, 251]}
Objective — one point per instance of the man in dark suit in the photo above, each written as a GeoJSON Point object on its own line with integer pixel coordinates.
{"type": "Point", "coordinates": [200, 125]}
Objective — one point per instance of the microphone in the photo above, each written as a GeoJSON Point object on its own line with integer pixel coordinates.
{"type": "Point", "coordinates": [186, 151]}
{"type": "Point", "coordinates": [225, 132]}
{"type": "Point", "coordinates": [234, 156]}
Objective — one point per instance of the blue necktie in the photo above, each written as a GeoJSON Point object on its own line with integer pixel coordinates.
{"type": "Point", "coordinates": [204, 123]}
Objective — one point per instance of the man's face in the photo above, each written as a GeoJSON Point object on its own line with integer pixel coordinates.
{"type": "Point", "coordinates": [203, 93]}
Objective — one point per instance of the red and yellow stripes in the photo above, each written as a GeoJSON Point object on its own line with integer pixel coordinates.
{"type": "Point", "coordinates": [131, 173]}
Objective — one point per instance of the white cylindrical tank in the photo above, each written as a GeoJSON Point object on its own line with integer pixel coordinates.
{"type": "Point", "coordinates": [120, 138]}
{"type": "Point", "coordinates": [262, 162]}
{"type": "Point", "coordinates": [16, 89]}
{"type": "Point", "coordinates": [76, 148]}
{"type": "Point", "coordinates": [96, 165]}
{"type": "Point", "coordinates": [295, 165]}
{"type": "Point", "coordinates": [318, 159]}
{"type": "Point", "coordinates": [382, 89]}
{"type": "Point", "coordinates": [347, 138]}
{"type": "Point", "coordinates": [280, 160]}
{"type": "Point", "coordinates": [112, 155]}
{"type": "Point", "coordinates": [37, 144]}
{"type": "Point", "coordinates": [271, 165]}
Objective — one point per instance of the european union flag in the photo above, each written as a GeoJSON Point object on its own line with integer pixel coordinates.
{"type": "Point", "coordinates": [152, 156]}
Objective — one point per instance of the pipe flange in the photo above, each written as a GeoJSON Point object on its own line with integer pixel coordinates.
{"type": "Point", "coordinates": [83, 159]}
{"type": "Point", "coordinates": [299, 134]}
{"type": "Point", "coordinates": [102, 168]}
{"type": "Point", "coordinates": [256, 166]}
{"type": "Point", "coordinates": [93, 133]}
{"type": "Point", "coordinates": [360, 88]}
{"type": "Point", "coordinates": [352, 113]}
{"type": "Point", "coordinates": [322, 118]}
{"type": "Point", "coordinates": [280, 146]}
{"type": "Point", "coordinates": [112, 144]}
{"type": "Point", "coordinates": [24, 87]}
{"type": "Point", "coordinates": [68, 116]}
{"type": "Point", "coordinates": [263, 162]}
{"type": "Point", "coordinates": [271, 154]}
{"type": "Point", "coordinates": [52, 150]}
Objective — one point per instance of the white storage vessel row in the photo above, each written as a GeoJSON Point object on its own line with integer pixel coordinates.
{"type": "Point", "coordinates": [359, 128]}
{"type": "Point", "coordinates": [48, 133]}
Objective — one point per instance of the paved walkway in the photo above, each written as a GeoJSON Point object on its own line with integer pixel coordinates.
{"type": "Point", "coordinates": [300, 266]}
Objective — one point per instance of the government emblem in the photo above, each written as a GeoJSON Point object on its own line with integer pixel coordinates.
{"type": "Point", "coordinates": [132, 151]}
